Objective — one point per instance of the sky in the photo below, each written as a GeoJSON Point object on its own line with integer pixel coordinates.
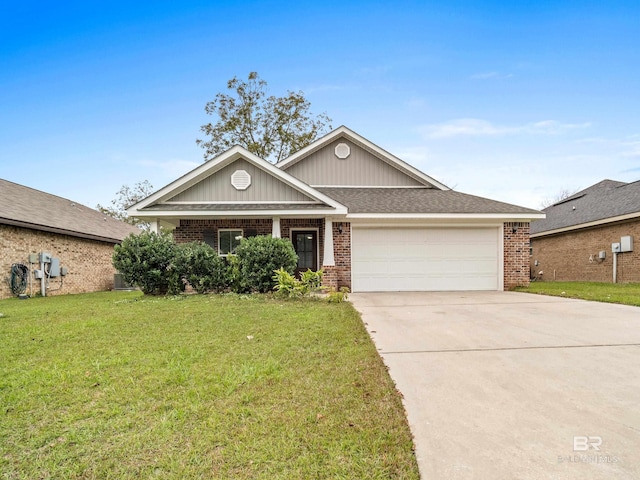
{"type": "Point", "coordinates": [515, 101]}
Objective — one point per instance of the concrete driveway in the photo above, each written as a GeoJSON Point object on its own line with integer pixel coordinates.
{"type": "Point", "coordinates": [505, 385]}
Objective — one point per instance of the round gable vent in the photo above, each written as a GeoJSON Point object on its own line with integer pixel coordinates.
{"type": "Point", "coordinates": [343, 150]}
{"type": "Point", "coordinates": [240, 179]}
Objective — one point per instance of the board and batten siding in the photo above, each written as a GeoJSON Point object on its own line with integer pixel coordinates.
{"type": "Point", "coordinates": [218, 187]}
{"type": "Point", "coordinates": [360, 168]}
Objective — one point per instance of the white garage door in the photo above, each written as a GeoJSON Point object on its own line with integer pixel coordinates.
{"type": "Point", "coordinates": [424, 259]}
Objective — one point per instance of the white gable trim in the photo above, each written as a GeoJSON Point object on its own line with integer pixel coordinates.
{"type": "Point", "coordinates": [211, 167]}
{"type": "Point", "coordinates": [350, 134]}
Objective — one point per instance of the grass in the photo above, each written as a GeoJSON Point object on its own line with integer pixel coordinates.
{"type": "Point", "coordinates": [117, 385]}
{"type": "Point", "coordinates": [625, 293]}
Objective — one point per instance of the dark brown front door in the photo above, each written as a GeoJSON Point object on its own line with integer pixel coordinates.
{"type": "Point", "coordinates": [305, 243]}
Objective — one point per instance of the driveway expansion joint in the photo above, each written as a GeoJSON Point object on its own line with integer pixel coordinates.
{"type": "Point", "coordinates": [502, 349]}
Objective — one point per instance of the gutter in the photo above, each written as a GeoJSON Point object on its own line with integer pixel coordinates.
{"type": "Point", "coordinates": [580, 226]}
{"type": "Point", "coordinates": [61, 231]}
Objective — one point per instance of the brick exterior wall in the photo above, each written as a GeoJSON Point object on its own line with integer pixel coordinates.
{"type": "Point", "coordinates": [197, 230]}
{"type": "Point", "coordinates": [337, 276]}
{"type": "Point", "coordinates": [516, 254]}
{"type": "Point", "coordinates": [342, 254]}
{"type": "Point", "coordinates": [88, 261]}
{"type": "Point", "coordinates": [516, 244]}
{"type": "Point", "coordinates": [573, 256]}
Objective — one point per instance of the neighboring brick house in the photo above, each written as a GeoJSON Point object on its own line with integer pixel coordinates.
{"type": "Point", "coordinates": [32, 222]}
{"type": "Point", "coordinates": [371, 221]}
{"type": "Point", "coordinates": [569, 244]}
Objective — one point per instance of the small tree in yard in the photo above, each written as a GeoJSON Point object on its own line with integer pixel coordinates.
{"type": "Point", "coordinates": [258, 257]}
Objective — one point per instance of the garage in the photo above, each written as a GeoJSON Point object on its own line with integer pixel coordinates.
{"type": "Point", "coordinates": [425, 259]}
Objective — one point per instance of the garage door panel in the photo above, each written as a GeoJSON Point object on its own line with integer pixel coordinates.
{"type": "Point", "coordinates": [423, 259]}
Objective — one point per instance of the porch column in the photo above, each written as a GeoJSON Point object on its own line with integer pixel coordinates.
{"type": "Point", "coordinates": [275, 228]}
{"type": "Point", "coordinates": [154, 226]}
{"type": "Point", "coordinates": [328, 260]}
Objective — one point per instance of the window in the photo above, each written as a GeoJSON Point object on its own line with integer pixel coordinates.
{"type": "Point", "coordinates": [228, 240]}
{"type": "Point", "coordinates": [209, 237]}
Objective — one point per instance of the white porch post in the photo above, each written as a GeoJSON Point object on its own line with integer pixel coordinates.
{"type": "Point", "coordinates": [154, 225]}
{"type": "Point", "coordinates": [275, 228]}
{"type": "Point", "coordinates": [328, 260]}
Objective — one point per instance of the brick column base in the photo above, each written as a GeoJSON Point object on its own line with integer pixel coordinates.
{"type": "Point", "coordinates": [330, 277]}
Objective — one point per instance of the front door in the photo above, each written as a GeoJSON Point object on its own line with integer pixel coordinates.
{"type": "Point", "coordinates": [305, 243]}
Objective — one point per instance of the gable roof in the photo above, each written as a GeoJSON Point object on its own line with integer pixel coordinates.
{"type": "Point", "coordinates": [606, 201]}
{"type": "Point", "coordinates": [159, 204]}
{"type": "Point", "coordinates": [29, 208]}
{"type": "Point", "coordinates": [344, 132]}
{"type": "Point", "coordinates": [423, 201]}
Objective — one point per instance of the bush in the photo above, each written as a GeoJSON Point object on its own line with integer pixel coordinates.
{"type": "Point", "coordinates": [148, 261]}
{"type": "Point", "coordinates": [290, 287]}
{"type": "Point", "coordinates": [258, 257]}
{"type": "Point", "coordinates": [338, 297]}
{"type": "Point", "coordinates": [201, 267]}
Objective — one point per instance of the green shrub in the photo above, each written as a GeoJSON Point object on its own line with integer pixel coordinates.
{"type": "Point", "coordinates": [290, 287]}
{"type": "Point", "coordinates": [148, 261]}
{"type": "Point", "coordinates": [200, 266]}
{"type": "Point", "coordinates": [338, 297]}
{"type": "Point", "coordinates": [258, 257]}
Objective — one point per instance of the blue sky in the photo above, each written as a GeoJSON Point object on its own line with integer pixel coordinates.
{"type": "Point", "coordinates": [515, 101]}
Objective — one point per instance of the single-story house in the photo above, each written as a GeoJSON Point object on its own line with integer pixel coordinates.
{"type": "Point", "coordinates": [574, 242]}
{"type": "Point", "coordinates": [371, 221]}
{"type": "Point", "coordinates": [34, 222]}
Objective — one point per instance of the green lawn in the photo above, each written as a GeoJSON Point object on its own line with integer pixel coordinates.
{"type": "Point", "coordinates": [626, 293]}
{"type": "Point", "coordinates": [117, 385]}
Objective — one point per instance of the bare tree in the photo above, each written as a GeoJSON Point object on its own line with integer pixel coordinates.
{"type": "Point", "coordinates": [126, 197]}
{"type": "Point", "coordinates": [562, 195]}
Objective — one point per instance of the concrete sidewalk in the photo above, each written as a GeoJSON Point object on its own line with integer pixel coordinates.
{"type": "Point", "coordinates": [511, 385]}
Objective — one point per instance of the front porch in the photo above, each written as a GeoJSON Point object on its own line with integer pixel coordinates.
{"type": "Point", "coordinates": [328, 249]}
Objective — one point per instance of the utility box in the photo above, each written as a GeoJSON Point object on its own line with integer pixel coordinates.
{"type": "Point", "coordinates": [37, 274]}
{"type": "Point", "coordinates": [602, 255]}
{"type": "Point", "coordinates": [45, 257]}
{"type": "Point", "coordinates": [54, 267]}
{"type": "Point", "coordinates": [34, 258]}
{"type": "Point", "coordinates": [615, 247]}
{"type": "Point", "coordinates": [626, 244]}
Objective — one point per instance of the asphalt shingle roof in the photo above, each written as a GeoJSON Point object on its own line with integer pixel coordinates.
{"type": "Point", "coordinates": [603, 200]}
{"type": "Point", "coordinates": [30, 208]}
{"type": "Point", "coordinates": [417, 200]}
{"type": "Point", "coordinates": [214, 207]}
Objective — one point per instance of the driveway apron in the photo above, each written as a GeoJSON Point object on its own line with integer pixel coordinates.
{"type": "Point", "coordinates": [506, 385]}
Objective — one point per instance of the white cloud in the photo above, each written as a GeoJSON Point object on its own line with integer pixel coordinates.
{"type": "Point", "coordinates": [491, 76]}
{"type": "Point", "coordinates": [327, 87]}
{"type": "Point", "coordinates": [170, 169]}
{"type": "Point", "coordinates": [479, 127]}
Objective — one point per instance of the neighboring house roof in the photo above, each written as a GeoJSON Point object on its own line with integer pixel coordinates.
{"type": "Point", "coordinates": [606, 201]}
{"type": "Point", "coordinates": [419, 201]}
{"type": "Point", "coordinates": [29, 208]}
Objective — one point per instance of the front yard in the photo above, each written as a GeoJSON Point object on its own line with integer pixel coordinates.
{"type": "Point", "coordinates": [117, 385]}
{"type": "Point", "coordinates": [625, 293]}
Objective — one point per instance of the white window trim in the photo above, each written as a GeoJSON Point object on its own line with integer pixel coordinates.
{"type": "Point", "coordinates": [228, 230]}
